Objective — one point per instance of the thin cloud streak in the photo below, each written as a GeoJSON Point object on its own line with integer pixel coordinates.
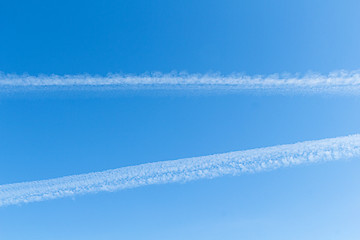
{"type": "Point", "coordinates": [184, 170]}
{"type": "Point", "coordinates": [339, 81]}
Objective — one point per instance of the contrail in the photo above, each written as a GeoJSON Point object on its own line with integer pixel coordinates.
{"type": "Point", "coordinates": [184, 170]}
{"type": "Point", "coordinates": [340, 81]}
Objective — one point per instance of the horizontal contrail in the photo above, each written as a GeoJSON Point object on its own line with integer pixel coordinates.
{"type": "Point", "coordinates": [184, 170]}
{"type": "Point", "coordinates": [340, 81]}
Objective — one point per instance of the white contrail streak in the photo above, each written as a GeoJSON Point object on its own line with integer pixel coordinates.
{"type": "Point", "coordinates": [184, 170]}
{"type": "Point", "coordinates": [340, 81]}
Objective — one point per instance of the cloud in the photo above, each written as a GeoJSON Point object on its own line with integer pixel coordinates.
{"type": "Point", "coordinates": [340, 81]}
{"type": "Point", "coordinates": [183, 170]}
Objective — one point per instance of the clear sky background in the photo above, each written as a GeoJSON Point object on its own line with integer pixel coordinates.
{"type": "Point", "coordinates": [46, 135]}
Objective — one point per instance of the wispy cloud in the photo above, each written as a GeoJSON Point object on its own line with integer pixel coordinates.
{"type": "Point", "coordinates": [332, 82]}
{"type": "Point", "coordinates": [184, 170]}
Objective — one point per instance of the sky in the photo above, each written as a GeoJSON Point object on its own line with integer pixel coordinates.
{"type": "Point", "coordinates": [49, 134]}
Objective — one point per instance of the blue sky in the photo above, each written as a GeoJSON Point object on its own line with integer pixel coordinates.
{"type": "Point", "coordinates": [52, 134]}
{"type": "Point", "coordinates": [255, 37]}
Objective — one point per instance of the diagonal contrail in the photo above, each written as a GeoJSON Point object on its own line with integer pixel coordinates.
{"type": "Point", "coordinates": [341, 81]}
{"type": "Point", "coordinates": [184, 170]}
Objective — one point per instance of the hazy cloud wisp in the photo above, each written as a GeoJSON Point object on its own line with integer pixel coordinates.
{"type": "Point", "coordinates": [339, 81]}
{"type": "Point", "coordinates": [183, 170]}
